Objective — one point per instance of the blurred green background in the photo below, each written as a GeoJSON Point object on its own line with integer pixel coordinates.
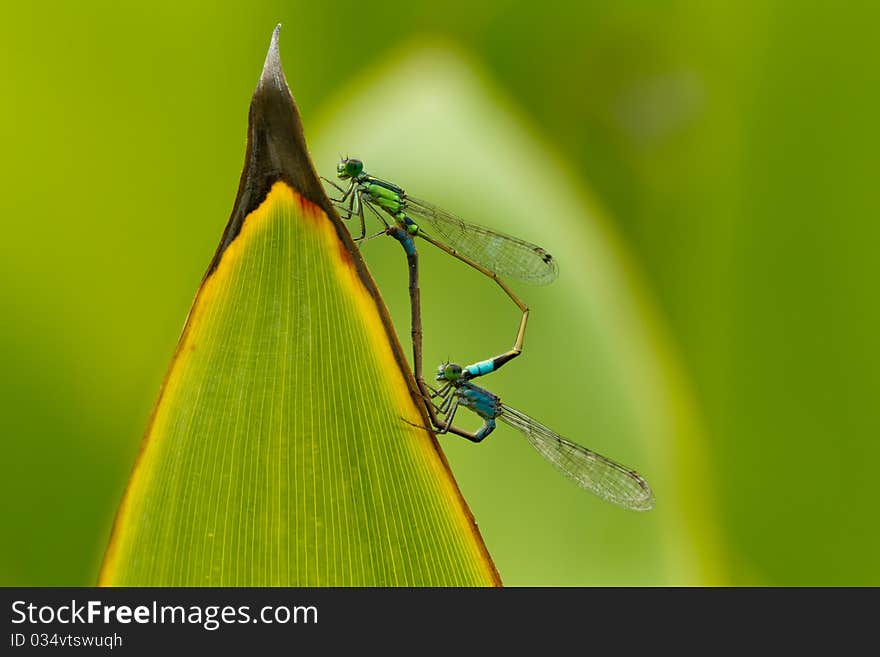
{"type": "Point", "coordinates": [703, 172]}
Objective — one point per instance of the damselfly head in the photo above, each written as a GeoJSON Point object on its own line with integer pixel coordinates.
{"type": "Point", "coordinates": [349, 168]}
{"type": "Point", "coordinates": [449, 372]}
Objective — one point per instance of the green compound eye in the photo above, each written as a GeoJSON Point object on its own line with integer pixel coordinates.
{"type": "Point", "coordinates": [452, 372]}
{"type": "Point", "coordinates": [354, 167]}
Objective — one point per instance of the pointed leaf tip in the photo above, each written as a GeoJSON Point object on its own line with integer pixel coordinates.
{"type": "Point", "coordinates": [272, 70]}
{"type": "Point", "coordinates": [276, 151]}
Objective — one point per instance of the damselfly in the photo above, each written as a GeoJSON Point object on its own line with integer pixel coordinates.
{"type": "Point", "coordinates": [491, 253]}
{"type": "Point", "coordinates": [600, 475]}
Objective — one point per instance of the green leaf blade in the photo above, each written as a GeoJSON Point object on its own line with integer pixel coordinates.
{"type": "Point", "coordinates": [286, 447]}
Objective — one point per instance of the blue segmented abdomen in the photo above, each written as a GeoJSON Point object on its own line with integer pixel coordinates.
{"type": "Point", "coordinates": [481, 368]}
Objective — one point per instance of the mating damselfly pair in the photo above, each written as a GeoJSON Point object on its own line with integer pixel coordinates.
{"type": "Point", "coordinates": [493, 254]}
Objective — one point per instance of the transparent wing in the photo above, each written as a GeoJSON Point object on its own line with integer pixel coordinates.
{"type": "Point", "coordinates": [607, 479]}
{"type": "Point", "coordinates": [503, 254]}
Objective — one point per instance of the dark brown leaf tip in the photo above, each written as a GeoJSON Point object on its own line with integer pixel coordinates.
{"type": "Point", "coordinates": [276, 150]}
{"type": "Point", "coordinates": [273, 73]}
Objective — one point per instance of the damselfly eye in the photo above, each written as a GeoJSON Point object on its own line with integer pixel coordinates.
{"type": "Point", "coordinates": [452, 372]}
{"type": "Point", "coordinates": [353, 167]}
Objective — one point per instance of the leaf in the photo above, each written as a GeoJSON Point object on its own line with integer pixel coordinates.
{"type": "Point", "coordinates": [282, 450]}
{"type": "Point", "coordinates": [598, 364]}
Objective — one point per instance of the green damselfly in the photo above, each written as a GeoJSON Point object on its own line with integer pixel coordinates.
{"type": "Point", "coordinates": [492, 253]}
